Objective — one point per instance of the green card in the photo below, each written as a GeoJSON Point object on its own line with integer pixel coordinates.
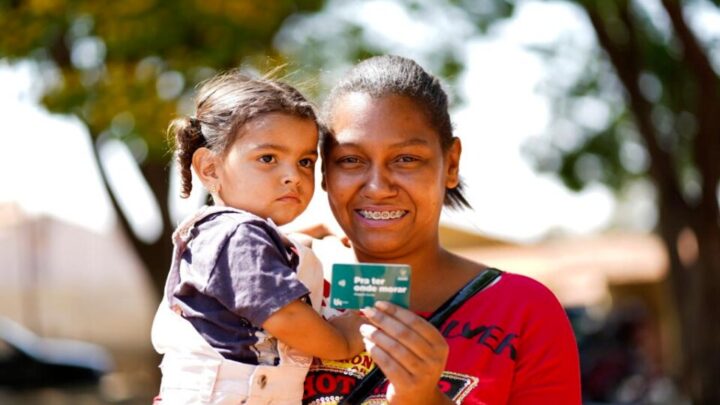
{"type": "Point", "coordinates": [359, 285]}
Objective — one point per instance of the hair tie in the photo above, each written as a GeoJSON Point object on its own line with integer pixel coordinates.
{"type": "Point", "coordinates": [195, 124]}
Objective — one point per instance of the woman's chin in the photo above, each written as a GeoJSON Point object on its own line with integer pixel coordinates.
{"type": "Point", "coordinates": [378, 247]}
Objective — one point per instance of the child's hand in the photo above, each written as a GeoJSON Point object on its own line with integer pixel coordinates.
{"type": "Point", "coordinates": [299, 326]}
{"type": "Point", "coordinates": [348, 323]}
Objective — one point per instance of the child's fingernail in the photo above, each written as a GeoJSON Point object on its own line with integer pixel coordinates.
{"type": "Point", "coordinates": [367, 330]}
{"type": "Point", "coordinates": [382, 305]}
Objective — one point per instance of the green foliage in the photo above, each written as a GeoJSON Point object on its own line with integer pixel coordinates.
{"type": "Point", "coordinates": [666, 83]}
{"type": "Point", "coordinates": [137, 61]}
{"type": "Point", "coordinates": [486, 13]}
{"type": "Point", "coordinates": [598, 160]}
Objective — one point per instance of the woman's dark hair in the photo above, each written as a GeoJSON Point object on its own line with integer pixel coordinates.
{"type": "Point", "coordinates": [223, 105]}
{"type": "Point", "coordinates": [394, 75]}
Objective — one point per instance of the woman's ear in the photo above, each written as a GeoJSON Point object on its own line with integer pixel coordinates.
{"type": "Point", "coordinates": [452, 164]}
{"type": "Point", "coordinates": [205, 164]}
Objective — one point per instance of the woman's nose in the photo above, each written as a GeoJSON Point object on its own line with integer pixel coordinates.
{"type": "Point", "coordinates": [379, 184]}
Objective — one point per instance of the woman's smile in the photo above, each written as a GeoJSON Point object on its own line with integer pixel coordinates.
{"type": "Point", "coordinates": [381, 215]}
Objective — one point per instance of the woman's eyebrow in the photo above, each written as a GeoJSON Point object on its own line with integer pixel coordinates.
{"type": "Point", "coordinates": [405, 143]}
{"type": "Point", "coordinates": [411, 142]}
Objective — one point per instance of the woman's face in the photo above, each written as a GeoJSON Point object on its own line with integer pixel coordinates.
{"type": "Point", "coordinates": [386, 175]}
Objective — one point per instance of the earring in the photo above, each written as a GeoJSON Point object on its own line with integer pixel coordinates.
{"type": "Point", "coordinates": [212, 189]}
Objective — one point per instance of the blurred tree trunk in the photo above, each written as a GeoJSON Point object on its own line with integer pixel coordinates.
{"type": "Point", "coordinates": [689, 227]}
{"type": "Point", "coordinates": [155, 256]}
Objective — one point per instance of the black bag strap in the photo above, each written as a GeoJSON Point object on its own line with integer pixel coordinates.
{"type": "Point", "coordinates": [371, 380]}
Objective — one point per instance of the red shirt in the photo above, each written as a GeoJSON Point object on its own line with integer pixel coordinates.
{"type": "Point", "coordinates": [509, 344]}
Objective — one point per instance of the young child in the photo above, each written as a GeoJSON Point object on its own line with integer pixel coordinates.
{"type": "Point", "coordinates": [238, 321]}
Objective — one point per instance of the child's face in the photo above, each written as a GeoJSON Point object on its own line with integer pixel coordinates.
{"type": "Point", "coordinates": [270, 168]}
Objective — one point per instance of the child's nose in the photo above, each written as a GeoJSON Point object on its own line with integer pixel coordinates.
{"type": "Point", "coordinates": [291, 177]}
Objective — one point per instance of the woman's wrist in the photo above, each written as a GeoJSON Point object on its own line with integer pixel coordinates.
{"type": "Point", "coordinates": [439, 398]}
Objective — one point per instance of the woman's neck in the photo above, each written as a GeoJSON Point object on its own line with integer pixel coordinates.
{"type": "Point", "coordinates": [423, 262]}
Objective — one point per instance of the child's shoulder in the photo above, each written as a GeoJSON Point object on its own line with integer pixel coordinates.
{"type": "Point", "coordinates": [230, 220]}
{"type": "Point", "coordinates": [222, 223]}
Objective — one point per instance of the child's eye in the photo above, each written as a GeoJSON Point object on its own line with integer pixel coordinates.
{"type": "Point", "coordinates": [267, 159]}
{"type": "Point", "coordinates": [307, 162]}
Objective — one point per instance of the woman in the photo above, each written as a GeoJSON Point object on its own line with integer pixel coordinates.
{"type": "Point", "coordinates": [390, 164]}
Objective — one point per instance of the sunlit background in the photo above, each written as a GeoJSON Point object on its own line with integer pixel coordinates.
{"type": "Point", "coordinates": [556, 169]}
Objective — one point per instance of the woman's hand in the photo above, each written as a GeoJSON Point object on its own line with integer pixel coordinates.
{"type": "Point", "coordinates": [409, 350]}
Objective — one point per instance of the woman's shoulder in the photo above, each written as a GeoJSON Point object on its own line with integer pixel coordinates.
{"type": "Point", "coordinates": [522, 291]}
{"type": "Point", "coordinates": [520, 281]}
{"type": "Point", "coordinates": [524, 307]}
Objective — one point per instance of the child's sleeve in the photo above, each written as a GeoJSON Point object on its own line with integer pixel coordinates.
{"type": "Point", "coordinates": [252, 276]}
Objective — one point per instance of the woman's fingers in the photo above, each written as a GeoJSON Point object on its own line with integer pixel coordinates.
{"type": "Point", "coordinates": [414, 332]}
{"type": "Point", "coordinates": [412, 320]}
{"type": "Point", "coordinates": [392, 365]}
{"type": "Point", "coordinates": [405, 337]}
{"type": "Point", "coordinates": [389, 352]}
{"type": "Point", "coordinates": [409, 350]}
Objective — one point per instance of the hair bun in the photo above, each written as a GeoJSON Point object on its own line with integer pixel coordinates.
{"type": "Point", "coordinates": [188, 138]}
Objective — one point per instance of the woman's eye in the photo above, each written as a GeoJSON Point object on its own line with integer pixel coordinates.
{"type": "Point", "coordinates": [267, 159]}
{"type": "Point", "coordinates": [407, 159]}
{"type": "Point", "coordinates": [348, 160]}
{"type": "Point", "coordinates": [307, 163]}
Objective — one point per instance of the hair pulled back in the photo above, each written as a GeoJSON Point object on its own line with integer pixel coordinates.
{"type": "Point", "coordinates": [395, 75]}
{"type": "Point", "coordinates": [223, 105]}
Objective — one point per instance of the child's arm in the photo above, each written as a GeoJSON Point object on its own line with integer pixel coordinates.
{"type": "Point", "coordinates": [299, 326]}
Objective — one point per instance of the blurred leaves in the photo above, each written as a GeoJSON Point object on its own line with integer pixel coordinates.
{"type": "Point", "coordinates": [142, 58]}
{"type": "Point", "coordinates": [139, 58]}
{"type": "Point", "coordinates": [126, 68]}
{"type": "Point", "coordinates": [650, 65]}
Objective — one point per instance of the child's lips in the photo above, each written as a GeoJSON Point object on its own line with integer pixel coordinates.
{"type": "Point", "coordinates": [291, 198]}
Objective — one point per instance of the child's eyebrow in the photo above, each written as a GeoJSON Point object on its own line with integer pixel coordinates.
{"type": "Point", "coordinates": [282, 148]}
{"type": "Point", "coordinates": [271, 146]}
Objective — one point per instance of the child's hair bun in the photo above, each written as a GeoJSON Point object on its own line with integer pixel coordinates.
{"type": "Point", "coordinates": [188, 138]}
